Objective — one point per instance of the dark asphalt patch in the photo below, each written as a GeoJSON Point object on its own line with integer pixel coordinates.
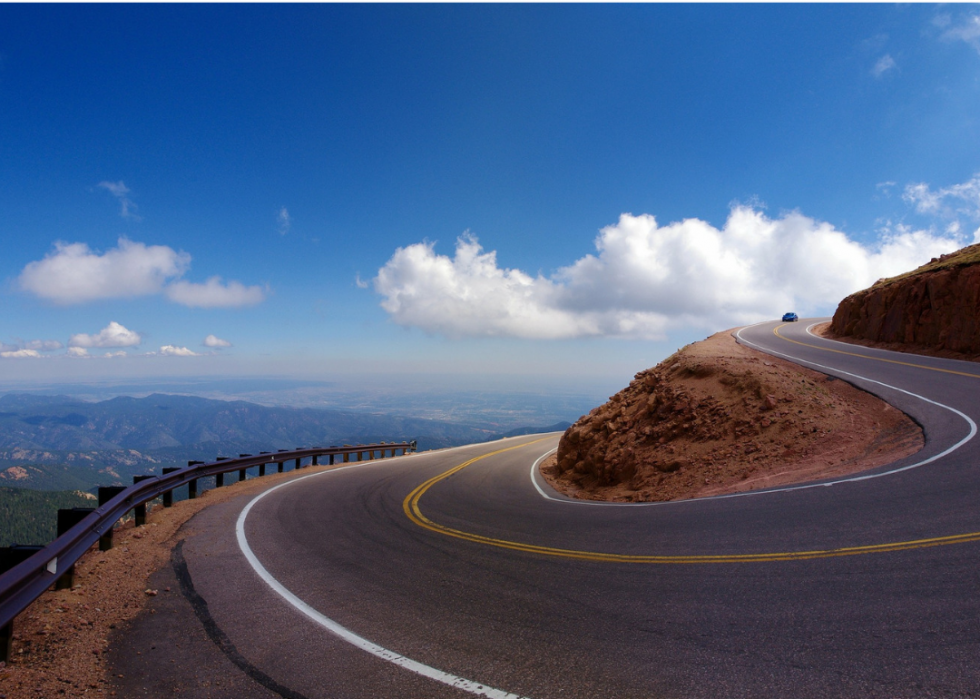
{"type": "Point", "coordinates": [214, 632]}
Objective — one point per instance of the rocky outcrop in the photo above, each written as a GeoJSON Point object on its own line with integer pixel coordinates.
{"type": "Point", "coordinates": [937, 306]}
{"type": "Point", "coordinates": [718, 417]}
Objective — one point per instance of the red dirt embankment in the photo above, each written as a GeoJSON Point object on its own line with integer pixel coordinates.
{"type": "Point", "coordinates": [934, 309]}
{"type": "Point", "coordinates": [717, 417]}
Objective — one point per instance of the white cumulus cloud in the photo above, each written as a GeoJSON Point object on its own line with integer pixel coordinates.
{"type": "Point", "coordinates": [112, 335]}
{"type": "Point", "coordinates": [73, 273]}
{"type": "Point", "coordinates": [172, 351]}
{"type": "Point", "coordinates": [215, 294]}
{"type": "Point", "coordinates": [215, 342]}
{"type": "Point", "coordinates": [646, 279]}
{"type": "Point", "coordinates": [78, 352]}
{"type": "Point", "coordinates": [21, 354]}
{"type": "Point", "coordinates": [469, 294]}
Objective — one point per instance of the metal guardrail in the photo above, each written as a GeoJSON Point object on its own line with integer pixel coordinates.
{"type": "Point", "coordinates": [28, 580]}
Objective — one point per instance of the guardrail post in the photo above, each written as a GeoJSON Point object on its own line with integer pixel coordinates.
{"type": "Point", "coordinates": [241, 471]}
{"type": "Point", "coordinates": [219, 478]}
{"type": "Point", "coordinates": [331, 459]}
{"type": "Point", "coordinates": [316, 461]}
{"type": "Point", "coordinates": [107, 493]}
{"type": "Point", "coordinates": [139, 512]}
{"type": "Point", "coordinates": [9, 557]}
{"type": "Point", "coordinates": [6, 641]}
{"type": "Point", "coordinates": [66, 520]}
{"type": "Point", "coordinates": [282, 464]}
{"type": "Point", "coordinates": [261, 470]}
{"type": "Point", "coordinates": [192, 484]}
{"type": "Point", "coordinates": [168, 497]}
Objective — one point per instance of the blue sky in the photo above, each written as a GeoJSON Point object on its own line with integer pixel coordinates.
{"type": "Point", "coordinates": [503, 190]}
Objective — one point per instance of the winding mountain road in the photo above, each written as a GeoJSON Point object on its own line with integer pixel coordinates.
{"type": "Point", "coordinates": [459, 573]}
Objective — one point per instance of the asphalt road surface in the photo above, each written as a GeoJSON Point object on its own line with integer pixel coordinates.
{"type": "Point", "coordinates": [457, 574]}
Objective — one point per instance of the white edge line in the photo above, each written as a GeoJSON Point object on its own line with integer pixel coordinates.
{"type": "Point", "coordinates": [854, 479]}
{"type": "Point", "coordinates": [936, 457]}
{"type": "Point", "coordinates": [340, 631]}
{"type": "Point", "coordinates": [965, 362]}
{"type": "Point", "coordinates": [534, 468]}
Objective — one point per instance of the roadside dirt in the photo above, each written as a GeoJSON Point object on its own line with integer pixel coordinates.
{"type": "Point", "coordinates": [60, 641]}
{"type": "Point", "coordinates": [718, 418]}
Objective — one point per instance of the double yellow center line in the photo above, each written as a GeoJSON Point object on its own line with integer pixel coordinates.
{"type": "Point", "coordinates": [874, 359]}
{"type": "Point", "coordinates": [412, 510]}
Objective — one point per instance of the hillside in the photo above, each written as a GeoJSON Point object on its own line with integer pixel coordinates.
{"type": "Point", "coordinates": [58, 443]}
{"type": "Point", "coordinates": [932, 309]}
{"type": "Point", "coordinates": [717, 417]}
{"type": "Point", "coordinates": [31, 516]}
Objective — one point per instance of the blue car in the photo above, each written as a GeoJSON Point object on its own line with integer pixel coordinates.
{"type": "Point", "coordinates": [790, 317]}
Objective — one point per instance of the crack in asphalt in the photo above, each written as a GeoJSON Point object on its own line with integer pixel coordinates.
{"type": "Point", "coordinates": [214, 632]}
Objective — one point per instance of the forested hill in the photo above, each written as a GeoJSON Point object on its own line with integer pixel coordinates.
{"type": "Point", "coordinates": [31, 516]}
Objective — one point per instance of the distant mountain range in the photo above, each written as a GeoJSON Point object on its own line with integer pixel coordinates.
{"type": "Point", "coordinates": [61, 443]}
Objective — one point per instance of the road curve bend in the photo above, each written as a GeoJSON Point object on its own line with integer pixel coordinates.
{"type": "Point", "coordinates": [457, 573]}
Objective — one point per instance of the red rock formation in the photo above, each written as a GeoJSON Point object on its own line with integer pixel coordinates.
{"type": "Point", "coordinates": [719, 417]}
{"type": "Point", "coordinates": [937, 306]}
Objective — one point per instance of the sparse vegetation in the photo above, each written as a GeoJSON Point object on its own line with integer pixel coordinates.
{"type": "Point", "coordinates": [970, 255]}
